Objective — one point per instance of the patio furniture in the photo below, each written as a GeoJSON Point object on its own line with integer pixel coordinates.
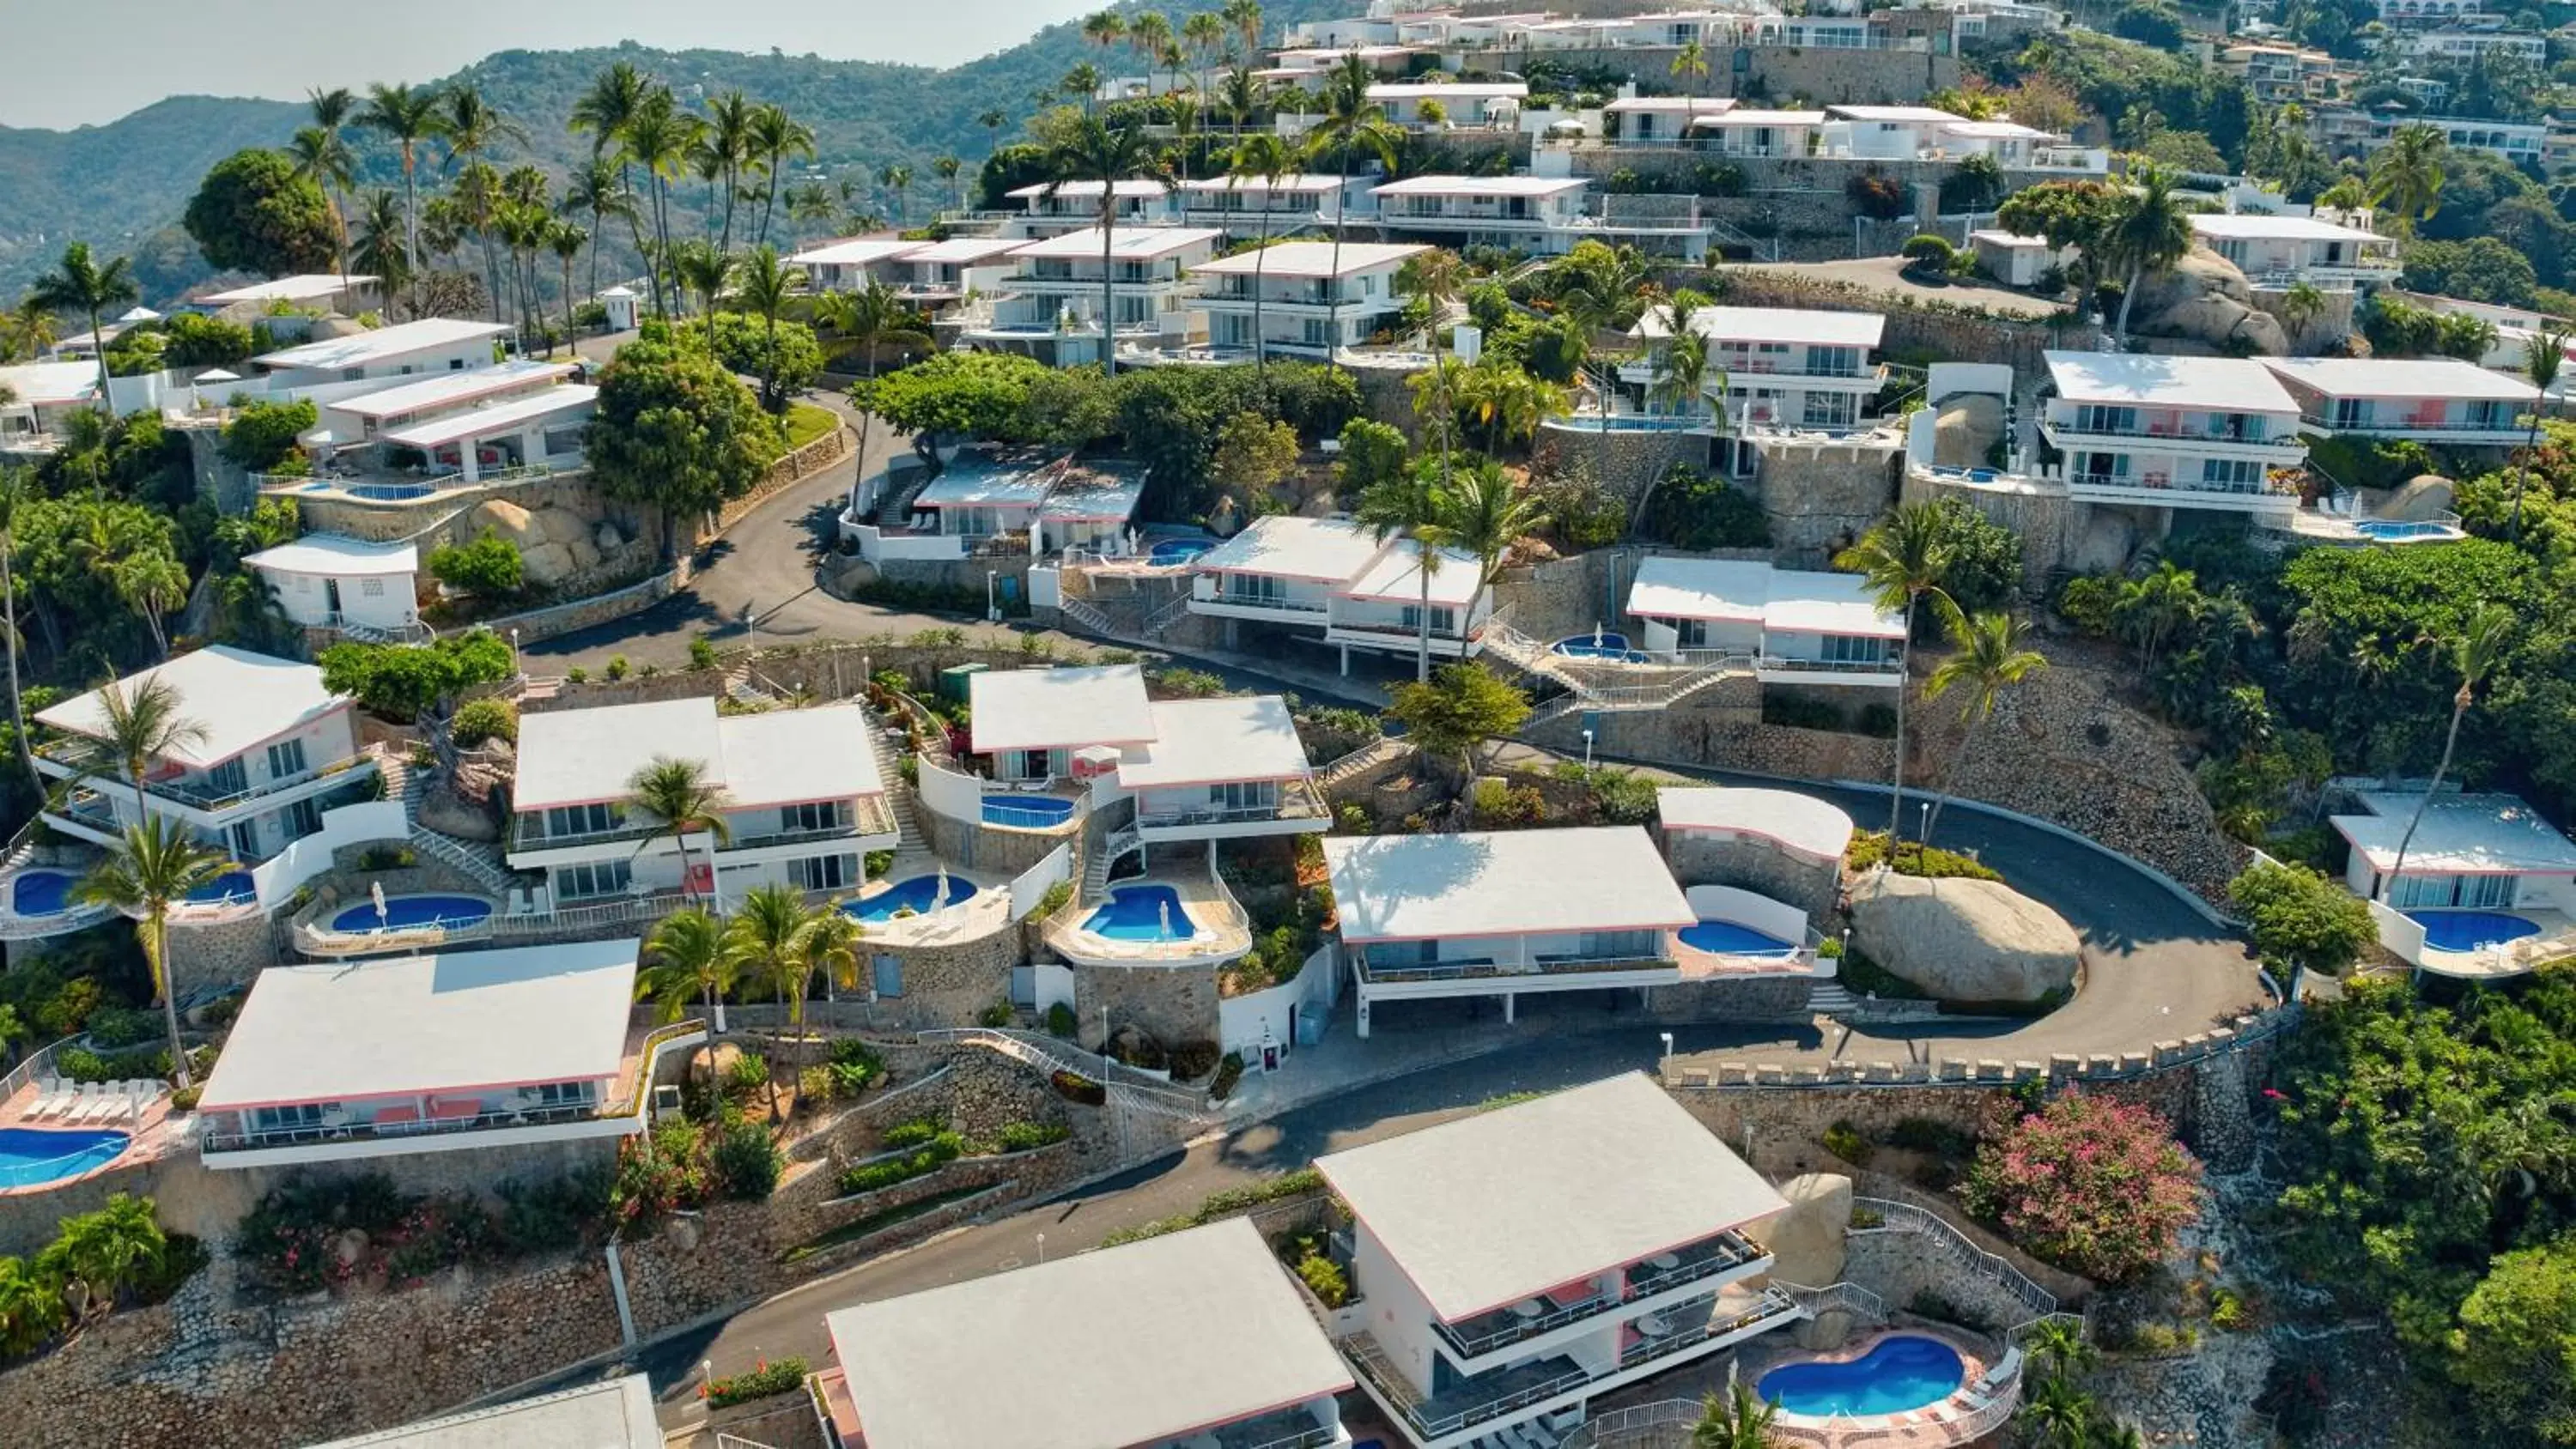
{"type": "Point", "coordinates": [1526, 1308]}
{"type": "Point", "coordinates": [1664, 1262]}
{"type": "Point", "coordinates": [52, 1095]}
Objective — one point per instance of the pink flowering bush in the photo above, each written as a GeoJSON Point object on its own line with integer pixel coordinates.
{"type": "Point", "coordinates": [2095, 1187]}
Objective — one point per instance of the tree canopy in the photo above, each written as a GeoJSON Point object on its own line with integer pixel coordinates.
{"type": "Point", "coordinates": [253, 213]}
{"type": "Point", "coordinates": [676, 431]}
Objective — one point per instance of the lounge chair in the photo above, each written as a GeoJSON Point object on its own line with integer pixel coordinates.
{"type": "Point", "coordinates": [84, 1098]}
{"type": "Point", "coordinates": [53, 1094]}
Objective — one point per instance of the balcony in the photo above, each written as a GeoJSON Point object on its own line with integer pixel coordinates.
{"type": "Point", "coordinates": [81, 758]}
{"type": "Point", "coordinates": [379, 1129]}
{"type": "Point", "coordinates": [1478, 969]}
{"type": "Point", "coordinates": [530, 834]}
{"type": "Point", "coordinates": [2160, 491]}
{"type": "Point", "coordinates": [1297, 800]}
{"type": "Point", "coordinates": [1255, 601]}
{"type": "Point", "coordinates": [872, 817]}
{"type": "Point", "coordinates": [2489, 430]}
{"type": "Point", "coordinates": [1280, 1429]}
{"type": "Point", "coordinates": [2224, 442]}
{"type": "Point", "coordinates": [1504, 1327]}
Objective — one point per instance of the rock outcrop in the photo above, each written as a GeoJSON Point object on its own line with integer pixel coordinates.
{"type": "Point", "coordinates": [2420, 499]}
{"type": "Point", "coordinates": [1967, 428]}
{"type": "Point", "coordinates": [1807, 1248]}
{"type": "Point", "coordinates": [1964, 940]}
{"type": "Point", "coordinates": [554, 544]}
{"type": "Point", "coordinates": [2204, 298]}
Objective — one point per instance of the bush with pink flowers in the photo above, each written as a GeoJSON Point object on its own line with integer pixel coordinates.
{"type": "Point", "coordinates": [2093, 1186]}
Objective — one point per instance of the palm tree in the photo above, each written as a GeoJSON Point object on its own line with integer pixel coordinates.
{"type": "Point", "coordinates": [2541, 356]}
{"type": "Point", "coordinates": [380, 249]}
{"type": "Point", "coordinates": [1204, 34]}
{"type": "Point", "coordinates": [2059, 1342]}
{"type": "Point", "coordinates": [1097, 151]}
{"type": "Point", "coordinates": [897, 179]}
{"type": "Point", "coordinates": [156, 865]}
{"type": "Point", "coordinates": [1242, 94]}
{"type": "Point", "coordinates": [1104, 28]}
{"type": "Point", "coordinates": [596, 188]}
{"type": "Point", "coordinates": [657, 139]}
{"type": "Point", "coordinates": [1598, 303]}
{"type": "Point", "coordinates": [142, 723]}
{"type": "Point", "coordinates": [1408, 505]}
{"type": "Point", "coordinates": [1989, 659]}
{"type": "Point", "coordinates": [17, 487]}
{"type": "Point", "coordinates": [2151, 610]}
{"type": "Point", "coordinates": [566, 239]}
{"type": "Point", "coordinates": [1150, 35]}
{"type": "Point", "coordinates": [700, 268]}
{"type": "Point", "coordinates": [1267, 158]}
{"type": "Point", "coordinates": [2058, 1415]}
{"type": "Point", "coordinates": [2406, 176]}
{"type": "Point", "coordinates": [2150, 233]}
{"type": "Point", "coordinates": [728, 137]}
{"type": "Point", "coordinates": [1083, 82]}
{"type": "Point", "coordinates": [1903, 557]}
{"type": "Point", "coordinates": [2476, 653]}
{"type": "Point", "coordinates": [686, 961]}
{"type": "Point", "coordinates": [1487, 515]}
{"type": "Point", "coordinates": [770, 938]}
{"type": "Point", "coordinates": [81, 284]}
{"type": "Point", "coordinates": [321, 155]}
{"type": "Point", "coordinates": [611, 104]}
{"type": "Point", "coordinates": [868, 321]}
{"type": "Point", "coordinates": [776, 136]}
{"type": "Point", "coordinates": [2301, 305]}
{"type": "Point", "coordinates": [1740, 1420]}
{"type": "Point", "coordinates": [677, 794]}
{"type": "Point", "coordinates": [108, 1251]}
{"type": "Point", "coordinates": [1691, 62]}
{"type": "Point", "coordinates": [30, 329]}
{"type": "Point", "coordinates": [471, 131]}
{"type": "Point", "coordinates": [764, 284]}
{"type": "Point", "coordinates": [832, 944]}
{"type": "Point", "coordinates": [1434, 276]}
{"type": "Point", "coordinates": [948, 169]}
{"type": "Point", "coordinates": [992, 120]}
{"type": "Point", "coordinates": [409, 118]}
{"type": "Point", "coordinates": [1682, 367]}
{"type": "Point", "coordinates": [152, 583]}
{"type": "Point", "coordinates": [1351, 122]}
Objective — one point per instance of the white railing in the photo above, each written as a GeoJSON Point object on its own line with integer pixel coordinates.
{"type": "Point", "coordinates": [1844, 1297]}
{"type": "Point", "coordinates": [1905, 1217]}
{"type": "Point", "coordinates": [38, 1065]}
{"type": "Point", "coordinates": [1049, 1055]}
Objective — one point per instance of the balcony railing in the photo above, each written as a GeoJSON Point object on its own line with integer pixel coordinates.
{"type": "Point", "coordinates": [1297, 801]}
{"type": "Point", "coordinates": [531, 834]}
{"type": "Point", "coordinates": [1279, 603]}
{"type": "Point", "coordinates": [91, 759]}
{"type": "Point", "coordinates": [1485, 969]}
{"type": "Point", "coordinates": [1776, 664]}
{"type": "Point", "coordinates": [2164, 483]}
{"type": "Point", "coordinates": [1436, 1418]}
{"type": "Point", "coordinates": [2414, 425]}
{"type": "Point", "coordinates": [2245, 438]}
{"type": "Point", "coordinates": [1503, 1328]}
{"type": "Point", "coordinates": [1771, 1306]}
{"type": "Point", "coordinates": [271, 1137]}
{"type": "Point", "coordinates": [1287, 1429]}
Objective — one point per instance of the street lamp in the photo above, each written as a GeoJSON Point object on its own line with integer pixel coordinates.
{"type": "Point", "coordinates": [750, 630]}
{"type": "Point", "coordinates": [992, 610]}
{"type": "Point", "coordinates": [1587, 749]}
{"type": "Point", "coordinates": [1041, 1250]}
{"type": "Point", "coordinates": [1668, 1044]}
{"type": "Point", "coordinates": [1923, 822]}
{"type": "Point", "coordinates": [515, 666]}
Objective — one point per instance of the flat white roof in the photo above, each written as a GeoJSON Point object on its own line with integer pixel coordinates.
{"type": "Point", "coordinates": [1995, 131]}
{"type": "Point", "coordinates": [1920, 114]}
{"type": "Point", "coordinates": [507, 415]}
{"type": "Point", "coordinates": [383, 344]}
{"type": "Point", "coordinates": [856, 252]}
{"type": "Point", "coordinates": [1047, 709]}
{"type": "Point", "coordinates": [1094, 493]}
{"type": "Point", "coordinates": [1444, 90]}
{"type": "Point", "coordinates": [303, 287]}
{"type": "Point", "coordinates": [348, 558]}
{"type": "Point", "coordinates": [420, 1025]}
{"type": "Point", "coordinates": [1308, 259]}
{"type": "Point", "coordinates": [2220, 384]}
{"type": "Point", "coordinates": [1781, 600]}
{"type": "Point", "coordinates": [584, 756]}
{"type": "Point", "coordinates": [1131, 186]}
{"type": "Point", "coordinates": [1499, 1206]}
{"type": "Point", "coordinates": [1127, 243]}
{"type": "Point", "coordinates": [1482, 186]}
{"type": "Point", "coordinates": [1801, 823]}
{"type": "Point", "coordinates": [1147, 1343]}
{"type": "Point", "coordinates": [450, 387]}
{"type": "Point", "coordinates": [1762, 118]}
{"type": "Point", "coordinates": [1202, 741]}
{"type": "Point", "coordinates": [965, 249]}
{"type": "Point", "coordinates": [240, 698]}
{"type": "Point", "coordinates": [617, 1414]}
{"type": "Point", "coordinates": [1771, 324]}
{"type": "Point", "coordinates": [1318, 550]}
{"type": "Point", "coordinates": [1688, 105]}
{"type": "Point", "coordinates": [2243, 226]}
{"type": "Point", "coordinates": [1306, 184]}
{"type": "Point", "coordinates": [791, 756]}
{"type": "Point", "coordinates": [1423, 887]}
{"type": "Point", "coordinates": [1804, 602]}
{"type": "Point", "coordinates": [984, 480]}
{"type": "Point", "coordinates": [36, 384]}
{"type": "Point", "coordinates": [2461, 835]}
{"type": "Point", "coordinates": [1993, 236]}
{"type": "Point", "coordinates": [2401, 377]}
{"type": "Point", "coordinates": [1395, 575]}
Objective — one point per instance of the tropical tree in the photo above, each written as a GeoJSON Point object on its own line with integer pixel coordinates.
{"type": "Point", "coordinates": [2149, 232]}
{"type": "Point", "coordinates": [867, 322]}
{"type": "Point", "coordinates": [611, 104]}
{"type": "Point", "coordinates": [31, 1308]}
{"type": "Point", "coordinates": [1351, 125]}
{"type": "Point", "coordinates": [1410, 505]}
{"type": "Point", "coordinates": [82, 284]}
{"type": "Point", "coordinates": [2406, 176]}
{"type": "Point", "coordinates": [2301, 305]}
{"type": "Point", "coordinates": [1082, 83]}
{"type": "Point", "coordinates": [770, 939]}
{"type": "Point", "coordinates": [764, 284]}
{"type": "Point", "coordinates": [682, 802]}
{"type": "Point", "coordinates": [2059, 1343]}
{"type": "Point", "coordinates": [109, 1251]}
{"type": "Point", "coordinates": [17, 488]}
{"type": "Point", "coordinates": [566, 239]}
{"type": "Point", "coordinates": [470, 131]}
{"type": "Point", "coordinates": [2058, 1415]}
{"type": "Point", "coordinates": [29, 329]}
{"type": "Point", "coordinates": [776, 137]}
{"type": "Point", "coordinates": [1507, 401]}
{"type": "Point", "coordinates": [949, 169]}
{"type": "Point", "coordinates": [1094, 150]}
{"type": "Point", "coordinates": [380, 250]}
{"type": "Point", "coordinates": [1487, 514]}
{"type": "Point", "coordinates": [410, 118]}
{"type": "Point", "coordinates": [1989, 659]}
{"type": "Point", "coordinates": [993, 121]}
{"type": "Point", "coordinates": [1104, 28]}
{"type": "Point", "coordinates": [152, 869]}
{"type": "Point", "coordinates": [1434, 277]}
{"type": "Point", "coordinates": [321, 155]}
{"type": "Point", "coordinates": [1267, 158]}
{"type": "Point", "coordinates": [1691, 64]}
{"type": "Point", "coordinates": [699, 267]}
{"type": "Point", "coordinates": [141, 722]}
{"type": "Point", "coordinates": [152, 582]}
{"type": "Point", "coordinates": [897, 178]}
{"type": "Point", "coordinates": [595, 188]}
{"type": "Point", "coordinates": [832, 947]}
{"type": "Point", "coordinates": [730, 137]}
{"type": "Point", "coordinates": [1204, 35]}
{"type": "Point", "coordinates": [1150, 35]}
{"type": "Point", "coordinates": [1682, 367]}
{"type": "Point", "coordinates": [1450, 717]}
{"type": "Point", "coordinates": [1903, 557]}
{"type": "Point", "coordinates": [1740, 1419]}
{"type": "Point", "coordinates": [2474, 654]}
{"type": "Point", "coordinates": [656, 139]}
{"type": "Point", "coordinates": [2541, 356]}
{"type": "Point", "coordinates": [685, 961]}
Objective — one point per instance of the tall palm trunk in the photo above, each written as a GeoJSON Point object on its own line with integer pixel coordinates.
{"type": "Point", "coordinates": [1958, 762]}
{"type": "Point", "coordinates": [1108, 281]}
{"type": "Point", "coordinates": [1341, 215]}
{"type": "Point", "coordinates": [105, 404]}
{"type": "Point", "coordinates": [1260, 269]}
{"type": "Point", "coordinates": [2521, 475]}
{"type": "Point", "coordinates": [411, 224]}
{"type": "Point", "coordinates": [2459, 707]}
{"type": "Point", "coordinates": [169, 998]}
{"type": "Point", "coordinates": [1422, 656]}
{"type": "Point", "coordinates": [567, 304]}
{"type": "Point", "coordinates": [1896, 792]}
{"type": "Point", "coordinates": [9, 627]}
{"type": "Point", "coordinates": [2128, 298]}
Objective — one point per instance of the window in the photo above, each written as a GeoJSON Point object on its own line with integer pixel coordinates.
{"type": "Point", "coordinates": [293, 1117]}
{"type": "Point", "coordinates": [564, 1094]}
{"type": "Point", "coordinates": [823, 872]}
{"type": "Point", "coordinates": [1852, 649]}
{"type": "Point", "coordinates": [1831, 409]}
{"type": "Point", "coordinates": [229, 778]}
{"type": "Point", "coordinates": [245, 839]}
{"type": "Point", "coordinates": [2233, 474]}
{"type": "Point", "coordinates": [372, 588]}
{"type": "Point", "coordinates": [1444, 620]}
{"type": "Point", "coordinates": [593, 819]}
{"type": "Point", "coordinates": [301, 819]}
{"type": "Point", "coordinates": [587, 882]}
{"type": "Point", "coordinates": [812, 815]}
{"type": "Point", "coordinates": [1243, 795]}
{"type": "Point", "coordinates": [285, 758]}
{"type": "Point", "coordinates": [1259, 590]}
{"type": "Point", "coordinates": [2352, 412]}
{"type": "Point", "coordinates": [2096, 418]}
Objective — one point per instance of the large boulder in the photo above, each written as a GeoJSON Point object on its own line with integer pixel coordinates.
{"type": "Point", "coordinates": [1964, 940]}
{"type": "Point", "coordinates": [509, 520]}
{"type": "Point", "coordinates": [2204, 298]}
{"type": "Point", "coordinates": [1807, 1248]}
{"type": "Point", "coordinates": [1966, 429]}
{"type": "Point", "coordinates": [2420, 499]}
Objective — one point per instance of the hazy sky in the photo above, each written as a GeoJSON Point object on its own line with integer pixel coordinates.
{"type": "Point", "coordinates": [104, 58]}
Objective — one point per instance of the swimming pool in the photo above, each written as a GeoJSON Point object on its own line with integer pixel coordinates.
{"type": "Point", "coordinates": [2471, 930]}
{"type": "Point", "coordinates": [1172, 551]}
{"type": "Point", "coordinates": [41, 892]}
{"type": "Point", "coordinates": [1142, 913]}
{"type": "Point", "coordinates": [1609, 648]}
{"type": "Point", "coordinates": [1900, 1372]}
{"type": "Point", "coordinates": [919, 895]}
{"type": "Point", "coordinates": [1027, 812]}
{"type": "Point", "coordinates": [33, 1155]}
{"type": "Point", "coordinates": [1726, 938]}
{"type": "Point", "coordinates": [389, 492]}
{"type": "Point", "coordinates": [231, 887]}
{"type": "Point", "coordinates": [409, 912]}
{"type": "Point", "coordinates": [2392, 530]}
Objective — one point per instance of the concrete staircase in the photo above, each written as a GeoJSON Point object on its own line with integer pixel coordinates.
{"type": "Point", "coordinates": [1604, 687]}
{"type": "Point", "coordinates": [1095, 870]}
{"type": "Point", "coordinates": [479, 863]}
{"type": "Point", "coordinates": [1829, 999]}
{"type": "Point", "coordinates": [898, 794]}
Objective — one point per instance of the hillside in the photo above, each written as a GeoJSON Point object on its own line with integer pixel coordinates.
{"type": "Point", "coordinates": [119, 183]}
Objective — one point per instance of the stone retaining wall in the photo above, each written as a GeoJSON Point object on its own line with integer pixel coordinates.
{"type": "Point", "coordinates": [1717, 734]}
{"type": "Point", "coordinates": [223, 953]}
{"type": "Point", "coordinates": [1941, 330]}
{"type": "Point", "coordinates": [1819, 496]}
{"type": "Point", "coordinates": [795, 467]}
{"type": "Point", "coordinates": [1758, 866]}
{"type": "Point", "coordinates": [547, 623]}
{"type": "Point", "coordinates": [1754, 998]}
{"type": "Point", "coordinates": [1175, 1004]}
{"type": "Point", "coordinates": [1624, 462]}
{"type": "Point", "coordinates": [949, 984]}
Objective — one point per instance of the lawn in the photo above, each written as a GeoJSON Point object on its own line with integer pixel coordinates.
{"type": "Point", "coordinates": [806, 422]}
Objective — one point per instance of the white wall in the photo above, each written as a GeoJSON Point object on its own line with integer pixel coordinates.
{"type": "Point", "coordinates": [959, 797]}
{"type": "Point", "coordinates": [1776, 919]}
{"type": "Point", "coordinates": [1030, 886]}
{"type": "Point", "coordinates": [877, 546]}
{"type": "Point", "coordinates": [1242, 1021]}
{"type": "Point", "coordinates": [307, 600]}
{"type": "Point", "coordinates": [287, 871]}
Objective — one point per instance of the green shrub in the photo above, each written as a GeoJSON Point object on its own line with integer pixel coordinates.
{"type": "Point", "coordinates": [480, 721]}
{"type": "Point", "coordinates": [1225, 1204]}
{"type": "Point", "coordinates": [1228, 1073]}
{"type": "Point", "coordinates": [997, 1014]}
{"type": "Point", "coordinates": [117, 1026]}
{"type": "Point", "coordinates": [617, 668]}
{"type": "Point", "coordinates": [1325, 1280]}
{"type": "Point", "coordinates": [1926, 1134]}
{"type": "Point", "coordinates": [1869, 847]}
{"type": "Point", "coordinates": [1059, 1017]}
{"type": "Point", "coordinates": [1843, 1140]}
{"type": "Point", "coordinates": [1192, 1060]}
{"type": "Point", "coordinates": [1865, 1218]}
{"type": "Point", "coordinates": [911, 1134]}
{"type": "Point", "coordinates": [68, 1010]}
{"type": "Point", "coordinates": [1028, 1136]}
{"type": "Point", "coordinates": [1697, 510]}
{"type": "Point", "coordinates": [702, 653]}
{"type": "Point", "coordinates": [487, 568]}
{"type": "Point", "coordinates": [785, 1376]}
{"type": "Point", "coordinates": [1797, 712]}
{"type": "Point", "coordinates": [745, 1161]}
{"type": "Point", "coordinates": [941, 1148]}
{"type": "Point", "coordinates": [1075, 1087]}
{"type": "Point", "coordinates": [745, 1076]}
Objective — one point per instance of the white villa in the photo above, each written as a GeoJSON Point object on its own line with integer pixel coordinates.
{"type": "Point", "coordinates": [273, 743]}
{"type": "Point", "coordinates": [942, 274]}
{"type": "Point", "coordinates": [464, 426]}
{"type": "Point", "coordinates": [1239, 205]}
{"type": "Point", "coordinates": [2173, 432]}
{"type": "Point", "coordinates": [2016, 261]}
{"type": "Point", "coordinates": [1055, 207]}
{"type": "Point", "coordinates": [410, 1054]}
{"type": "Point", "coordinates": [322, 291]}
{"type": "Point", "coordinates": [1462, 104]}
{"type": "Point", "coordinates": [1035, 507]}
{"type": "Point", "coordinates": [849, 265]}
{"type": "Point", "coordinates": [1332, 575]}
{"type": "Point", "coordinates": [1778, 367]}
{"type": "Point", "coordinates": [1043, 725]}
{"type": "Point", "coordinates": [1792, 626]}
{"type": "Point", "coordinates": [1499, 915]}
{"type": "Point", "coordinates": [1222, 769]}
{"type": "Point", "coordinates": [801, 796]}
{"type": "Point", "coordinates": [35, 397]}
{"type": "Point", "coordinates": [1049, 308]}
{"type": "Point", "coordinates": [1652, 120]}
{"type": "Point", "coordinates": [1540, 215]}
{"type": "Point", "coordinates": [433, 344]}
{"type": "Point", "coordinates": [615, 1414]}
{"type": "Point", "coordinates": [2487, 887]}
{"type": "Point", "coordinates": [2430, 400]}
{"type": "Point", "coordinates": [1297, 284]}
{"type": "Point", "coordinates": [1520, 1263]}
{"type": "Point", "coordinates": [2280, 251]}
{"type": "Point", "coordinates": [1759, 132]}
{"type": "Point", "coordinates": [1122, 1339]}
{"type": "Point", "coordinates": [325, 581]}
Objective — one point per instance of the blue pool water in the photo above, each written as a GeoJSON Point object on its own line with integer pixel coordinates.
{"type": "Point", "coordinates": [225, 889]}
{"type": "Point", "coordinates": [389, 492]}
{"type": "Point", "coordinates": [1901, 1372]}
{"type": "Point", "coordinates": [405, 912]}
{"type": "Point", "coordinates": [1027, 812]}
{"type": "Point", "coordinates": [41, 893]}
{"type": "Point", "coordinates": [1726, 938]}
{"type": "Point", "coordinates": [1137, 913]}
{"type": "Point", "coordinates": [920, 895]}
{"type": "Point", "coordinates": [1172, 551]}
{"type": "Point", "coordinates": [2471, 930]}
{"type": "Point", "coordinates": [32, 1155]}
{"type": "Point", "coordinates": [2390, 530]}
{"type": "Point", "coordinates": [1612, 648]}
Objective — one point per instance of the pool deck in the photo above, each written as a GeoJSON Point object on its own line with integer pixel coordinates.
{"type": "Point", "coordinates": [1223, 932]}
{"type": "Point", "coordinates": [152, 1133]}
{"type": "Point", "coordinates": [1934, 1424]}
{"type": "Point", "coordinates": [2554, 941]}
{"type": "Point", "coordinates": [981, 914]}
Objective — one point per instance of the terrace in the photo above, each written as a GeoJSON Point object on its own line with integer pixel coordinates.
{"type": "Point", "coordinates": [1529, 1318]}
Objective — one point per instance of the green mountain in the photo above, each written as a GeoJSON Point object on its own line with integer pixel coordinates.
{"type": "Point", "coordinates": [123, 185]}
